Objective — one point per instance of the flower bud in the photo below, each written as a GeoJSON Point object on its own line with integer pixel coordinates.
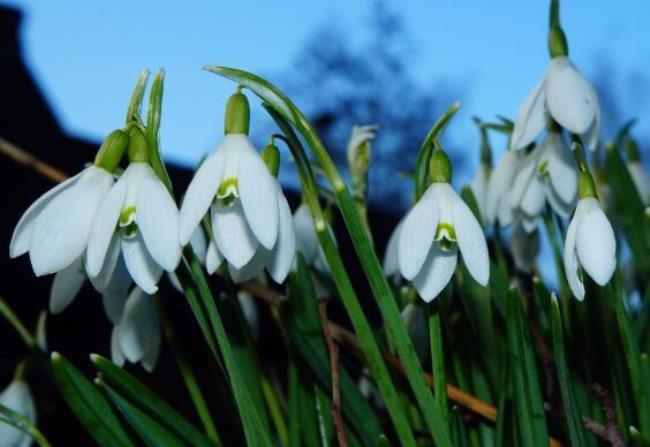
{"type": "Point", "coordinates": [237, 117]}
{"type": "Point", "coordinates": [271, 156]}
{"type": "Point", "coordinates": [111, 151]}
{"type": "Point", "coordinates": [138, 146]}
{"type": "Point", "coordinates": [440, 167]}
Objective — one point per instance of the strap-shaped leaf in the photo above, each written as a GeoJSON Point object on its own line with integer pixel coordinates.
{"type": "Point", "coordinates": [88, 404]}
{"type": "Point", "coordinates": [138, 395]}
{"type": "Point", "coordinates": [20, 422]}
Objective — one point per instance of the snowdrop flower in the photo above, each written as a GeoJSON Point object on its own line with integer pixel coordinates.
{"type": "Point", "coordinates": [139, 220]}
{"type": "Point", "coordinates": [244, 199]}
{"type": "Point", "coordinates": [434, 230]}
{"type": "Point", "coordinates": [278, 260]}
{"type": "Point", "coordinates": [137, 335]}
{"type": "Point", "coordinates": [547, 174]}
{"type": "Point", "coordinates": [55, 229]}
{"type": "Point", "coordinates": [498, 204]}
{"type": "Point", "coordinates": [479, 185]}
{"type": "Point", "coordinates": [590, 245]}
{"type": "Point", "coordinates": [18, 398]}
{"type": "Point", "coordinates": [563, 95]}
{"type": "Point", "coordinates": [249, 310]}
{"type": "Point", "coordinates": [391, 257]}
{"type": "Point", "coordinates": [308, 246]}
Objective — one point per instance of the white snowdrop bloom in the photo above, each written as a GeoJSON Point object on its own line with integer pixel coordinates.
{"type": "Point", "coordinates": [391, 257]}
{"type": "Point", "coordinates": [565, 96]}
{"type": "Point", "coordinates": [498, 205]}
{"type": "Point", "coordinates": [640, 179]}
{"type": "Point", "coordinates": [432, 233]}
{"type": "Point", "coordinates": [137, 335]}
{"type": "Point", "coordinates": [479, 187]}
{"type": "Point", "coordinates": [547, 174]}
{"type": "Point", "coordinates": [524, 246]}
{"type": "Point", "coordinates": [278, 260]}
{"type": "Point", "coordinates": [590, 245]}
{"type": "Point", "coordinates": [55, 229]}
{"type": "Point", "coordinates": [139, 220]}
{"type": "Point", "coordinates": [18, 398]}
{"type": "Point", "coordinates": [358, 152]}
{"type": "Point", "coordinates": [235, 185]}
{"type": "Point", "coordinates": [249, 310]}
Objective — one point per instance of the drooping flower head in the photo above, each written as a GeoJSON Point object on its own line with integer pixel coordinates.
{"type": "Point", "coordinates": [138, 220]}
{"type": "Point", "coordinates": [590, 245]}
{"type": "Point", "coordinates": [55, 229]}
{"type": "Point", "coordinates": [434, 230]}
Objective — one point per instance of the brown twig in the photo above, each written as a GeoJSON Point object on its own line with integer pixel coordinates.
{"type": "Point", "coordinates": [26, 159]}
{"type": "Point", "coordinates": [333, 349]}
{"type": "Point", "coordinates": [610, 431]}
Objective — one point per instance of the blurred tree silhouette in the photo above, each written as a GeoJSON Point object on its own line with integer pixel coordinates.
{"type": "Point", "coordinates": [340, 84]}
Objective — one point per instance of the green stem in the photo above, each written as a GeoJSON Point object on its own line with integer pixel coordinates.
{"type": "Point", "coordinates": [188, 375]}
{"type": "Point", "coordinates": [273, 405]}
{"type": "Point", "coordinates": [438, 359]}
{"type": "Point", "coordinates": [18, 325]}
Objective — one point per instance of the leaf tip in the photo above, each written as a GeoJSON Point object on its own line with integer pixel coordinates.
{"type": "Point", "coordinates": [95, 358]}
{"type": "Point", "coordinates": [56, 356]}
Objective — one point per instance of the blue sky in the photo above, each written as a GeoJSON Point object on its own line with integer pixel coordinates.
{"type": "Point", "coordinates": [86, 55]}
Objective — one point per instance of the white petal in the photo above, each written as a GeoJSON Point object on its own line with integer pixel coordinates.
{"type": "Point", "coordinates": [525, 248]}
{"type": "Point", "coordinates": [17, 397]}
{"type": "Point", "coordinates": [66, 286]}
{"type": "Point", "coordinates": [526, 171]}
{"type": "Point", "coordinates": [471, 242]}
{"type": "Point", "coordinates": [640, 179]}
{"type": "Point", "coordinates": [562, 169]}
{"type": "Point", "coordinates": [417, 233]}
{"type": "Point", "coordinates": [531, 118]}
{"type": "Point", "coordinates": [104, 226]}
{"type": "Point", "coordinates": [213, 258]}
{"type": "Point", "coordinates": [435, 273]}
{"type": "Point", "coordinates": [23, 232]}
{"type": "Point", "coordinates": [62, 228]}
{"type": "Point", "coordinates": [200, 193]}
{"type": "Point", "coordinates": [498, 185]}
{"type": "Point", "coordinates": [570, 98]}
{"type": "Point", "coordinates": [141, 266]}
{"type": "Point", "coordinates": [199, 244]}
{"type": "Point", "coordinates": [138, 325]}
{"type": "Point", "coordinates": [590, 137]}
{"type": "Point", "coordinates": [157, 219]}
{"type": "Point", "coordinates": [151, 356]}
{"type": "Point", "coordinates": [391, 261]}
{"type": "Point", "coordinates": [479, 188]}
{"type": "Point", "coordinates": [570, 257]}
{"type": "Point", "coordinates": [116, 350]}
{"type": "Point", "coordinates": [596, 244]}
{"type": "Point", "coordinates": [558, 205]}
{"type": "Point", "coordinates": [234, 238]}
{"type": "Point", "coordinates": [306, 239]}
{"type": "Point", "coordinates": [251, 269]}
{"type": "Point", "coordinates": [529, 223]}
{"type": "Point", "coordinates": [101, 281]}
{"type": "Point", "coordinates": [116, 291]}
{"type": "Point", "coordinates": [257, 194]}
{"type": "Point", "coordinates": [281, 257]}
{"type": "Point", "coordinates": [533, 200]}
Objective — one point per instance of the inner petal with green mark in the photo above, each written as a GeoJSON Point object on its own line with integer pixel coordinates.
{"type": "Point", "coordinates": [228, 191]}
{"type": "Point", "coordinates": [445, 235]}
{"type": "Point", "coordinates": [542, 168]}
{"type": "Point", "coordinates": [127, 222]}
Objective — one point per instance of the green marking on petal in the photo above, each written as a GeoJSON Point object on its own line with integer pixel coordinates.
{"type": "Point", "coordinates": [228, 191]}
{"type": "Point", "coordinates": [127, 216]}
{"type": "Point", "coordinates": [445, 235]}
{"type": "Point", "coordinates": [542, 168]}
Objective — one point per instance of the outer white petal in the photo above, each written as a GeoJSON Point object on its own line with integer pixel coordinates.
{"type": "Point", "coordinates": [138, 326]}
{"type": "Point", "coordinates": [199, 244]}
{"type": "Point", "coordinates": [590, 137]}
{"type": "Point", "coordinates": [157, 219]}
{"type": "Point", "coordinates": [306, 239]}
{"type": "Point", "coordinates": [435, 273]}
{"type": "Point", "coordinates": [116, 350]}
{"type": "Point", "coordinates": [562, 169]}
{"type": "Point", "coordinates": [527, 170]}
{"type": "Point", "coordinates": [531, 118]}
{"type": "Point", "coordinates": [533, 200]}
{"type": "Point", "coordinates": [257, 194]}
{"type": "Point", "coordinates": [471, 242]}
{"type": "Point", "coordinates": [498, 185]}
{"type": "Point", "coordinates": [17, 397]}
{"type": "Point", "coordinates": [391, 260]}
{"type": "Point", "coordinates": [559, 206]}
{"type": "Point", "coordinates": [141, 266]}
{"type": "Point", "coordinates": [529, 223]}
{"type": "Point", "coordinates": [417, 233]}
{"type": "Point", "coordinates": [252, 268]}
{"type": "Point", "coordinates": [151, 356]}
{"type": "Point", "coordinates": [570, 257]}
{"type": "Point", "coordinates": [200, 193]}
{"type": "Point", "coordinates": [66, 286]}
{"type": "Point", "coordinates": [104, 226]}
{"type": "Point", "coordinates": [570, 98]}
{"type": "Point", "coordinates": [479, 188]}
{"type": "Point", "coordinates": [116, 291]}
{"type": "Point", "coordinates": [213, 258]}
{"type": "Point", "coordinates": [23, 232]}
{"type": "Point", "coordinates": [234, 238]}
{"type": "Point", "coordinates": [281, 257]}
{"type": "Point", "coordinates": [596, 244]}
{"type": "Point", "coordinates": [62, 228]}
{"type": "Point", "coordinates": [101, 281]}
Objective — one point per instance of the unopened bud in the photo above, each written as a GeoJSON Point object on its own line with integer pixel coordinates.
{"type": "Point", "coordinates": [111, 151]}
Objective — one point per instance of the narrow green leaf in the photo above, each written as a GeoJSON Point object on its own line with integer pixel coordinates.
{"type": "Point", "coordinates": [575, 426]}
{"type": "Point", "coordinates": [20, 422]}
{"type": "Point", "coordinates": [154, 113]}
{"type": "Point", "coordinates": [135, 104]}
{"type": "Point", "coordinates": [131, 389]}
{"type": "Point", "coordinates": [88, 404]}
{"type": "Point", "coordinates": [438, 359]}
{"type": "Point", "coordinates": [151, 432]}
